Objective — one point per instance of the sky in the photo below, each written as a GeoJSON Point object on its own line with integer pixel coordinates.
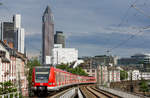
{"type": "Point", "coordinates": [91, 26]}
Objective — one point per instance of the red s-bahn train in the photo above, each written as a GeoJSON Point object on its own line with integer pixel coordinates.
{"type": "Point", "coordinates": [48, 78]}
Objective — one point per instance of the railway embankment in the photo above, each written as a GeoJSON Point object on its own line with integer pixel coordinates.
{"type": "Point", "coordinates": [121, 93]}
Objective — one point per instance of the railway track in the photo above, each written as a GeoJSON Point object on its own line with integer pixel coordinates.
{"type": "Point", "coordinates": [54, 94]}
{"type": "Point", "coordinates": [88, 91]}
{"type": "Point", "coordinates": [93, 92]}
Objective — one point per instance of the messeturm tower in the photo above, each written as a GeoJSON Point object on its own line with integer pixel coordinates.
{"type": "Point", "coordinates": [47, 36]}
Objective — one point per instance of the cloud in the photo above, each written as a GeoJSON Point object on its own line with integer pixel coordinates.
{"type": "Point", "coordinates": [89, 25]}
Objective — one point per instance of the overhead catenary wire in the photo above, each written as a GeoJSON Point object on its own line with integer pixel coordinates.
{"type": "Point", "coordinates": [122, 22]}
{"type": "Point", "coordinates": [141, 11]}
{"type": "Point", "coordinates": [139, 32]}
{"type": "Point", "coordinates": [126, 13]}
{"type": "Point", "coordinates": [143, 41]}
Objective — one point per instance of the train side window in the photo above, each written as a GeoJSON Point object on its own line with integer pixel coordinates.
{"type": "Point", "coordinates": [63, 77]}
{"type": "Point", "coordinates": [57, 77]}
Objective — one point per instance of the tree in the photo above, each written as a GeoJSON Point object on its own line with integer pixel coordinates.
{"type": "Point", "coordinates": [63, 67]}
{"type": "Point", "coordinates": [1, 3]}
{"type": "Point", "coordinates": [144, 86]}
{"type": "Point", "coordinates": [7, 87]}
{"type": "Point", "coordinates": [123, 75]}
{"type": "Point", "coordinates": [77, 70]}
{"type": "Point", "coordinates": [30, 65]}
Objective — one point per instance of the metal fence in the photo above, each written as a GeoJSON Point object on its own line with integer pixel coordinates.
{"type": "Point", "coordinates": [11, 95]}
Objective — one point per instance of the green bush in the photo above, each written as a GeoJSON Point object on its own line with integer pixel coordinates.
{"type": "Point", "coordinates": [123, 75]}
{"type": "Point", "coordinates": [11, 95]}
{"type": "Point", "coordinates": [7, 87]}
{"type": "Point", "coordinates": [20, 96]}
{"type": "Point", "coordinates": [144, 86]}
{"type": "Point", "coordinates": [77, 70]}
{"type": "Point", "coordinates": [6, 96]}
{"type": "Point", "coordinates": [16, 95]}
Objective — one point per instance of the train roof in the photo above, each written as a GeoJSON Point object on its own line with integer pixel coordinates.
{"type": "Point", "coordinates": [42, 66]}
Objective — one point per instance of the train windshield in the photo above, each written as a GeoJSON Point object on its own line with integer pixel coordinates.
{"type": "Point", "coordinates": [42, 75]}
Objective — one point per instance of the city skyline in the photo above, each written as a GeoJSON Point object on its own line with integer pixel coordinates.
{"type": "Point", "coordinates": [92, 26]}
{"type": "Point", "coordinates": [12, 33]}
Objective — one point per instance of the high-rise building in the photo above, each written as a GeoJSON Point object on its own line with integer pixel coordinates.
{"type": "Point", "coordinates": [12, 32]}
{"type": "Point", "coordinates": [20, 33]}
{"type": "Point", "coordinates": [22, 40]}
{"type": "Point", "coordinates": [17, 21]}
{"type": "Point", "coordinates": [47, 36]}
{"type": "Point", "coordinates": [59, 38]}
{"type": "Point", "coordinates": [7, 32]}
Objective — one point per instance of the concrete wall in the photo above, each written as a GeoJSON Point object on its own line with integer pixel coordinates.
{"type": "Point", "coordinates": [121, 94]}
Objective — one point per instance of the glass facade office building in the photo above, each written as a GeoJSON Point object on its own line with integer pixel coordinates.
{"type": "Point", "coordinates": [59, 38]}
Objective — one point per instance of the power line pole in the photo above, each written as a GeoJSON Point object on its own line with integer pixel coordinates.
{"type": "Point", "coordinates": [131, 84]}
{"type": "Point", "coordinates": [97, 75]}
{"type": "Point", "coordinates": [101, 75]}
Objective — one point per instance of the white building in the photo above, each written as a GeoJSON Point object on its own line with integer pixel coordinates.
{"type": "Point", "coordinates": [22, 37]}
{"type": "Point", "coordinates": [12, 67]}
{"type": "Point", "coordinates": [17, 21]}
{"type": "Point", "coordinates": [4, 62]}
{"type": "Point", "coordinates": [114, 74]}
{"type": "Point", "coordinates": [144, 75]}
{"type": "Point", "coordinates": [64, 55]}
{"type": "Point", "coordinates": [135, 75]}
{"type": "Point", "coordinates": [20, 32]}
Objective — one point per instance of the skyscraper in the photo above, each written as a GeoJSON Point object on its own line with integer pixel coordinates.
{"type": "Point", "coordinates": [20, 33]}
{"type": "Point", "coordinates": [59, 38]}
{"type": "Point", "coordinates": [47, 36]}
{"type": "Point", "coordinates": [12, 32]}
{"type": "Point", "coordinates": [7, 32]}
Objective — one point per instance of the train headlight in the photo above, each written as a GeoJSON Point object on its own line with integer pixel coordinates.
{"type": "Point", "coordinates": [50, 83]}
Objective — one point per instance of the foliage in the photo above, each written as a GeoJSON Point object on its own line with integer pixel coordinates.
{"type": "Point", "coordinates": [77, 70]}
{"type": "Point", "coordinates": [7, 87]}
{"type": "Point", "coordinates": [144, 86]}
{"type": "Point", "coordinates": [123, 75]}
{"type": "Point", "coordinates": [141, 62]}
{"type": "Point", "coordinates": [30, 64]}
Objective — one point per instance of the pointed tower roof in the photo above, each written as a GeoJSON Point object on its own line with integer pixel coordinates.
{"type": "Point", "coordinates": [47, 10]}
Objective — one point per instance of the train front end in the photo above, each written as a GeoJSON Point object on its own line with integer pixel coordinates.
{"type": "Point", "coordinates": [40, 79]}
